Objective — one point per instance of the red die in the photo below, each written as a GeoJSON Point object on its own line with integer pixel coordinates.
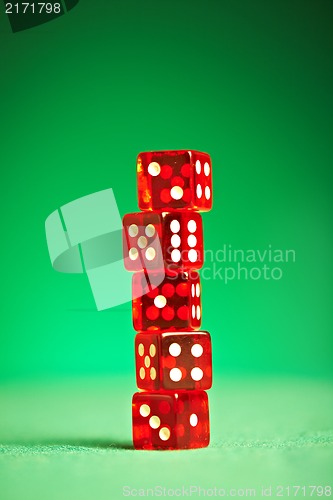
{"type": "Point", "coordinates": [173, 303]}
{"type": "Point", "coordinates": [173, 361]}
{"type": "Point", "coordinates": [170, 420]}
{"type": "Point", "coordinates": [174, 180]}
{"type": "Point", "coordinates": [156, 241]}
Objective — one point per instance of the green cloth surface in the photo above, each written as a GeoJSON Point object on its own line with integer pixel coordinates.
{"type": "Point", "coordinates": [71, 439]}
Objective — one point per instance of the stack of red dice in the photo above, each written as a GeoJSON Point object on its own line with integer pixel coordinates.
{"type": "Point", "coordinates": [163, 245]}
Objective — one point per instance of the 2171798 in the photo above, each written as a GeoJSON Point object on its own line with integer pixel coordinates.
{"type": "Point", "coordinates": [33, 8]}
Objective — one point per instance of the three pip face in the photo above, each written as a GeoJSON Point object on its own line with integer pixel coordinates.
{"type": "Point", "coordinates": [163, 246]}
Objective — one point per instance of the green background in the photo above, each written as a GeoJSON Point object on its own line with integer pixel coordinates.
{"type": "Point", "coordinates": [250, 82]}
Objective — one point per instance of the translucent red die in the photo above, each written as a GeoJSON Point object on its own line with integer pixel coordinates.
{"type": "Point", "coordinates": [170, 420]}
{"type": "Point", "coordinates": [173, 361]}
{"type": "Point", "coordinates": [156, 241]}
{"type": "Point", "coordinates": [174, 180]}
{"type": "Point", "coordinates": [174, 304]}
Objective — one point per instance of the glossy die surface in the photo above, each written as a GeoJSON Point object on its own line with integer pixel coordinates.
{"type": "Point", "coordinates": [154, 241]}
{"type": "Point", "coordinates": [173, 361]}
{"type": "Point", "coordinates": [170, 420]}
{"type": "Point", "coordinates": [174, 304]}
{"type": "Point", "coordinates": [174, 180]}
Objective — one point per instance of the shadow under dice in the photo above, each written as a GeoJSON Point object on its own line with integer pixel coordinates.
{"type": "Point", "coordinates": [173, 361]}
{"type": "Point", "coordinates": [155, 241]}
{"type": "Point", "coordinates": [174, 180]}
{"type": "Point", "coordinates": [170, 420]}
{"type": "Point", "coordinates": [174, 304]}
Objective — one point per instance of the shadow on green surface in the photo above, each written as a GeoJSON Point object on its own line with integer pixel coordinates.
{"type": "Point", "coordinates": [94, 310]}
{"type": "Point", "coordinates": [66, 444]}
{"type": "Point", "coordinates": [95, 445]}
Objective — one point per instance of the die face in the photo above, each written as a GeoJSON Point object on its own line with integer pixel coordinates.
{"type": "Point", "coordinates": [154, 419]}
{"type": "Point", "coordinates": [147, 361]}
{"type": "Point", "coordinates": [186, 361]}
{"type": "Point", "coordinates": [174, 304]}
{"type": "Point", "coordinates": [164, 180]}
{"type": "Point", "coordinates": [182, 240]}
{"type": "Point", "coordinates": [167, 181]}
{"type": "Point", "coordinates": [142, 241]}
{"type": "Point", "coordinates": [154, 241]}
{"type": "Point", "coordinates": [173, 361]}
{"type": "Point", "coordinates": [170, 420]}
{"type": "Point", "coordinates": [202, 181]}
